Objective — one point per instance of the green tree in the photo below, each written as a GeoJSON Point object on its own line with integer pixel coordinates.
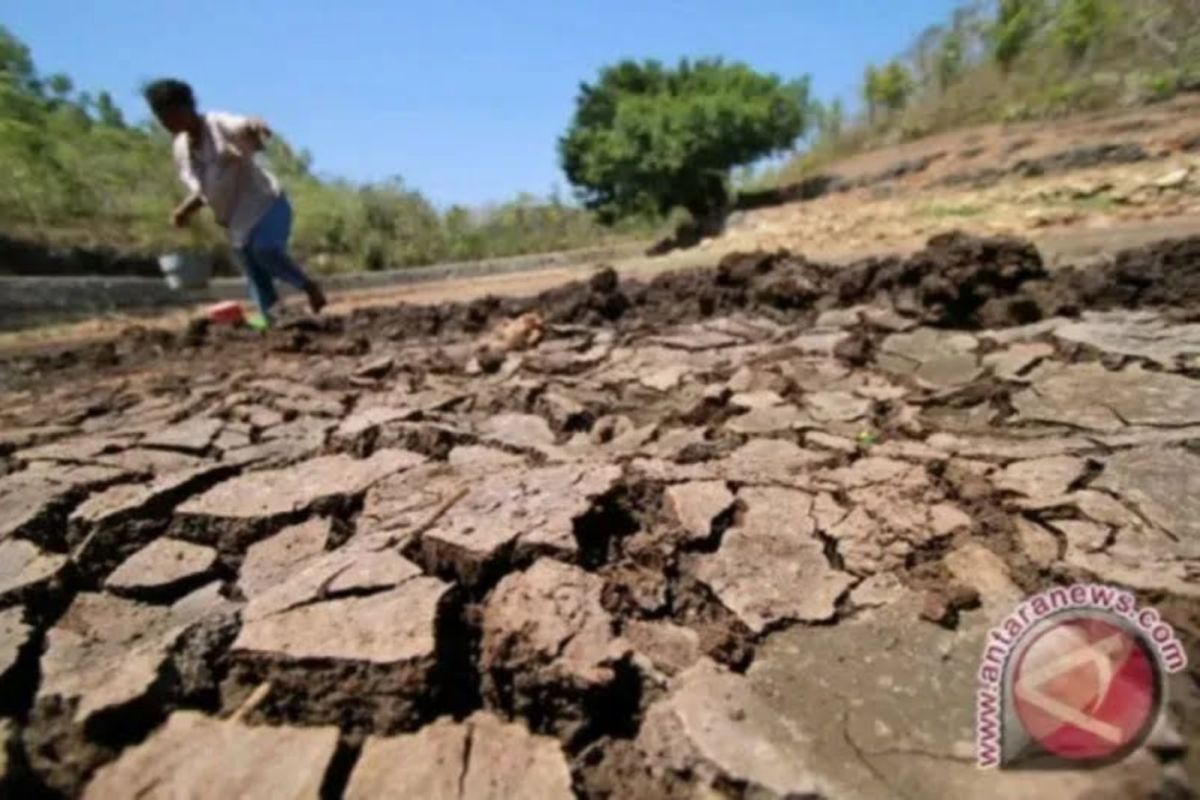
{"type": "Point", "coordinates": [871, 90]}
{"type": "Point", "coordinates": [951, 59]}
{"type": "Point", "coordinates": [1016, 24]}
{"type": "Point", "coordinates": [107, 111]}
{"type": "Point", "coordinates": [286, 162]}
{"type": "Point", "coordinates": [16, 62]}
{"type": "Point", "coordinates": [831, 119]}
{"type": "Point", "coordinates": [889, 87]}
{"type": "Point", "coordinates": [463, 235]}
{"type": "Point", "coordinates": [1080, 24]}
{"type": "Point", "coordinates": [897, 86]}
{"type": "Point", "coordinates": [647, 137]}
{"type": "Point", "coordinates": [401, 227]}
{"type": "Point", "coordinates": [925, 54]}
{"type": "Point", "coordinates": [60, 85]}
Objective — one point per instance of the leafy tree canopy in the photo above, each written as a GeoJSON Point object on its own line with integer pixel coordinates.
{"type": "Point", "coordinates": [646, 137]}
{"type": "Point", "coordinates": [1017, 22]}
{"type": "Point", "coordinates": [887, 87]}
{"type": "Point", "coordinates": [951, 59]}
{"type": "Point", "coordinates": [1080, 24]}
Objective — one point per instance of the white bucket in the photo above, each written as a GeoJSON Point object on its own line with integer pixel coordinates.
{"type": "Point", "coordinates": [186, 269]}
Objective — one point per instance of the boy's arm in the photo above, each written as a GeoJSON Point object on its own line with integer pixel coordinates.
{"type": "Point", "coordinates": [248, 134]}
{"type": "Point", "coordinates": [195, 199]}
{"type": "Point", "coordinates": [258, 132]}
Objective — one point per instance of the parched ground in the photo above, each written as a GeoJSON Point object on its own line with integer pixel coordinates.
{"type": "Point", "coordinates": [736, 532]}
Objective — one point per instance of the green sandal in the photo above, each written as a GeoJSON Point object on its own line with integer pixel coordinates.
{"type": "Point", "coordinates": [258, 322]}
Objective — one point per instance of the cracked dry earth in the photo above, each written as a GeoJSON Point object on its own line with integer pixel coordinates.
{"type": "Point", "coordinates": [649, 556]}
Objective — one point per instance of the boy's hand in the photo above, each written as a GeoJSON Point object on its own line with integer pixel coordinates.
{"type": "Point", "coordinates": [258, 131]}
{"type": "Point", "coordinates": [184, 211]}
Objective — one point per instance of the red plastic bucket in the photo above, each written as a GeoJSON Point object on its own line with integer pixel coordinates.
{"type": "Point", "coordinates": [228, 312]}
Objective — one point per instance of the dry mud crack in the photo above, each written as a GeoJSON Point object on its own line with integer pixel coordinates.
{"type": "Point", "coordinates": [729, 533]}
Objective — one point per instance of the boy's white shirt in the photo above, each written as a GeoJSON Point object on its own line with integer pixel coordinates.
{"type": "Point", "coordinates": [224, 172]}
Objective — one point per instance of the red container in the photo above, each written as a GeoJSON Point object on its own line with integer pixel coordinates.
{"type": "Point", "coordinates": [228, 312]}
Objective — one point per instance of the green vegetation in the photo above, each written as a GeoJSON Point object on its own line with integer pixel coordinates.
{"type": "Point", "coordinates": [1081, 25]}
{"type": "Point", "coordinates": [1017, 21]}
{"type": "Point", "coordinates": [942, 211]}
{"type": "Point", "coordinates": [73, 172]}
{"type": "Point", "coordinates": [887, 89]}
{"type": "Point", "coordinates": [1016, 60]}
{"type": "Point", "coordinates": [1100, 204]}
{"type": "Point", "coordinates": [951, 58]}
{"type": "Point", "coordinates": [647, 139]}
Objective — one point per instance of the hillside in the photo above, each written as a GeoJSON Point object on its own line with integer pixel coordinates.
{"type": "Point", "coordinates": [1114, 169]}
{"type": "Point", "coordinates": [1012, 61]}
{"type": "Point", "coordinates": [75, 174]}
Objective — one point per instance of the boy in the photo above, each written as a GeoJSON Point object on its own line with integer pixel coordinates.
{"type": "Point", "coordinates": [214, 153]}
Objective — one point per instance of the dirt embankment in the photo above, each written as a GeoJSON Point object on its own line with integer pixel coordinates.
{"type": "Point", "coordinates": [1063, 161]}
{"type": "Point", "coordinates": [957, 281]}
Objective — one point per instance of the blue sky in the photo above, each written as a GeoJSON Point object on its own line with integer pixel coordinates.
{"type": "Point", "coordinates": [464, 100]}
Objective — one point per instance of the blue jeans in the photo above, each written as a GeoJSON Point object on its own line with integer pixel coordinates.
{"type": "Point", "coordinates": [265, 256]}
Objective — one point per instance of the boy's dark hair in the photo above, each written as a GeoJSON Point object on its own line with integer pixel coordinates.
{"type": "Point", "coordinates": [168, 93]}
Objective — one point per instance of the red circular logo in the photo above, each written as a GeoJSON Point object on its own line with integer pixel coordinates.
{"type": "Point", "coordinates": [1086, 688]}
